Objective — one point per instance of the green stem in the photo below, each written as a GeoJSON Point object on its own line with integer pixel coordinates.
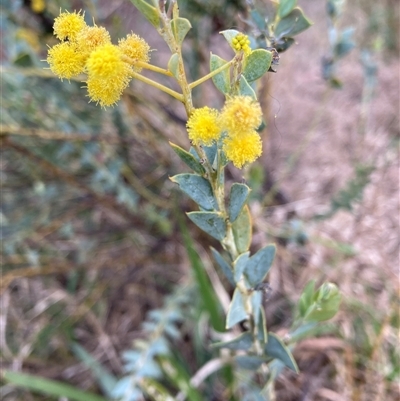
{"type": "Point", "coordinates": [211, 74]}
{"type": "Point", "coordinates": [163, 88]}
{"type": "Point", "coordinates": [154, 68]}
{"type": "Point", "coordinates": [214, 177]}
{"type": "Point", "coordinates": [147, 66]}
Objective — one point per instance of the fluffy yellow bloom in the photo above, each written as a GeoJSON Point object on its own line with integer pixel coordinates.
{"type": "Point", "coordinates": [241, 114]}
{"type": "Point", "coordinates": [68, 25]}
{"type": "Point", "coordinates": [203, 126]}
{"type": "Point", "coordinates": [242, 149]}
{"type": "Point", "coordinates": [106, 62]}
{"type": "Point", "coordinates": [66, 60]}
{"type": "Point", "coordinates": [136, 48]}
{"type": "Point", "coordinates": [241, 42]}
{"type": "Point", "coordinates": [91, 37]}
{"type": "Point", "coordinates": [106, 91]}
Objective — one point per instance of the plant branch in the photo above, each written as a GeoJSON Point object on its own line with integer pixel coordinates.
{"type": "Point", "coordinates": [161, 87]}
{"type": "Point", "coordinates": [211, 74]}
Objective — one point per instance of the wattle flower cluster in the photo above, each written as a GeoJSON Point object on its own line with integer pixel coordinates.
{"type": "Point", "coordinates": [241, 42]}
{"type": "Point", "coordinates": [88, 49]}
{"type": "Point", "coordinates": [235, 125]}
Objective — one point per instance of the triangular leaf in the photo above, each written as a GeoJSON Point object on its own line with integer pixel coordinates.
{"type": "Point", "coordinates": [243, 342]}
{"type": "Point", "coordinates": [211, 152]}
{"type": "Point", "coordinates": [262, 327]}
{"type": "Point", "coordinates": [276, 349]}
{"type": "Point", "coordinates": [188, 159]}
{"type": "Point", "coordinates": [180, 27]}
{"type": "Point", "coordinates": [222, 79]}
{"type": "Point", "coordinates": [237, 199]}
{"type": "Point", "coordinates": [197, 188]}
{"type": "Point", "coordinates": [224, 265]}
{"type": "Point", "coordinates": [242, 230]}
{"type": "Point", "coordinates": [249, 362]}
{"type": "Point", "coordinates": [148, 11]}
{"type": "Point", "coordinates": [259, 264]}
{"type": "Point", "coordinates": [285, 7]}
{"type": "Point", "coordinates": [256, 303]}
{"type": "Point", "coordinates": [229, 35]}
{"type": "Point", "coordinates": [239, 265]}
{"type": "Point", "coordinates": [173, 65]}
{"type": "Point", "coordinates": [245, 89]}
{"type": "Point", "coordinates": [212, 223]}
{"type": "Point", "coordinates": [236, 312]}
{"type": "Point", "coordinates": [292, 24]}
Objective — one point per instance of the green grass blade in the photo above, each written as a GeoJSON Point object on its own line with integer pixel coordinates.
{"type": "Point", "coordinates": [210, 300]}
{"type": "Point", "coordinates": [49, 387]}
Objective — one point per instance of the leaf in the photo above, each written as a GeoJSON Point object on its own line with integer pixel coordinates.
{"type": "Point", "coordinates": [285, 7]}
{"type": "Point", "coordinates": [258, 19]}
{"type": "Point", "coordinates": [180, 27]}
{"type": "Point", "coordinates": [256, 303]}
{"type": "Point", "coordinates": [257, 63]}
{"type": "Point", "coordinates": [236, 312]}
{"type": "Point", "coordinates": [173, 65]}
{"type": "Point", "coordinates": [222, 79]}
{"type": "Point", "coordinates": [259, 264]}
{"type": "Point", "coordinates": [211, 152]}
{"type": "Point", "coordinates": [178, 375]}
{"type": "Point", "coordinates": [283, 44]}
{"type": "Point", "coordinates": [149, 12]}
{"type": "Point", "coordinates": [209, 298]}
{"type": "Point", "coordinates": [229, 35]}
{"type": "Point", "coordinates": [262, 327]}
{"type": "Point", "coordinates": [49, 387]}
{"type": "Point", "coordinates": [211, 222]}
{"type": "Point", "coordinates": [292, 24]}
{"type": "Point", "coordinates": [306, 298]}
{"type": "Point", "coordinates": [188, 159]}
{"type": "Point", "coordinates": [242, 230]}
{"type": "Point", "coordinates": [237, 199]}
{"type": "Point", "coordinates": [197, 188]}
{"type": "Point", "coordinates": [245, 89]}
{"type": "Point", "coordinates": [243, 342]}
{"type": "Point", "coordinates": [239, 265]}
{"type": "Point", "coordinates": [104, 378]}
{"type": "Point", "coordinates": [224, 265]}
{"type": "Point", "coordinates": [276, 349]}
{"type": "Point", "coordinates": [125, 388]}
{"type": "Point", "coordinates": [249, 362]}
{"type": "Point", "coordinates": [326, 304]}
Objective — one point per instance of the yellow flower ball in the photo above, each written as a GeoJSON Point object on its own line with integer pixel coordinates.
{"type": "Point", "coordinates": [203, 126]}
{"type": "Point", "coordinates": [106, 91]}
{"type": "Point", "coordinates": [91, 37]}
{"type": "Point", "coordinates": [241, 114]}
{"type": "Point", "coordinates": [68, 25]}
{"type": "Point", "coordinates": [66, 60]}
{"type": "Point", "coordinates": [106, 62]}
{"type": "Point", "coordinates": [136, 48]}
{"type": "Point", "coordinates": [243, 149]}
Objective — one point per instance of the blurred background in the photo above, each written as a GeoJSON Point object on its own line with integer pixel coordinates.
{"type": "Point", "coordinates": [94, 236]}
